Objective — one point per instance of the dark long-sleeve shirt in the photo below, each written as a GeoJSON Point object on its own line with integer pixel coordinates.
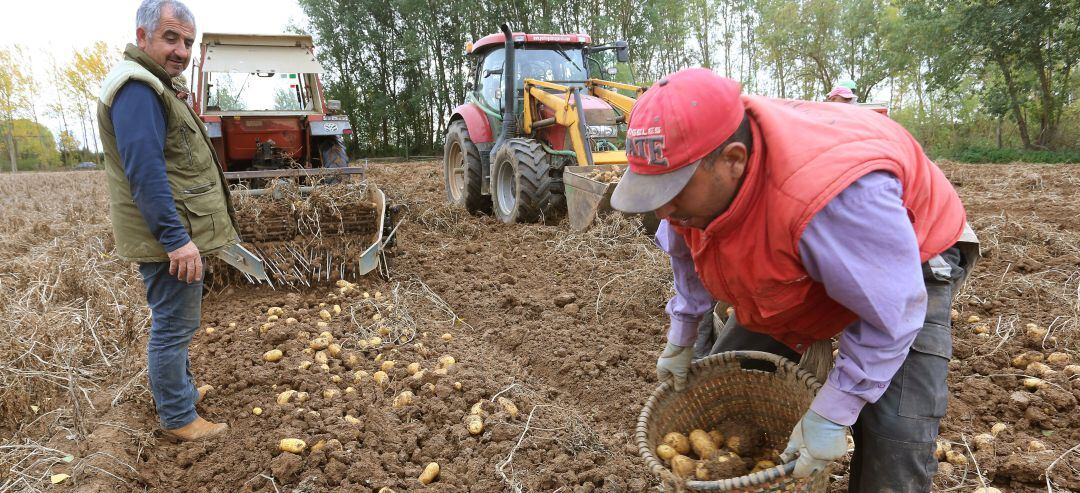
{"type": "Point", "coordinates": [138, 119]}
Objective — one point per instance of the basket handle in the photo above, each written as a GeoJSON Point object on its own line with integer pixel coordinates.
{"type": "Point", "coordinates": [756, 479]}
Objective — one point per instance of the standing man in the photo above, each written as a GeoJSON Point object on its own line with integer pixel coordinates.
{"type": "Point", "coordinates": [812, 220]}
{"type": "Point", "coordinates": [169, 203]}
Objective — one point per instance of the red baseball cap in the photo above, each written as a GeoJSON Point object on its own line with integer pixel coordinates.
{"type": "Point", "coordinates": [676, 123]}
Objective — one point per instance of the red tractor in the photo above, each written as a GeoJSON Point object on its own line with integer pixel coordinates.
{"type": "Point", "coordinates": [532, 110]}
{"type": "Point", "coordinates": [262, 103]}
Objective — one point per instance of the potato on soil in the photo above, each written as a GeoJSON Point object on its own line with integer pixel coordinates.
{"type": "Point", "coordinates": [319, 343]}
{"type": "Point", "coordinates": [1040, 369]}
{"type": "Point", "coordinates": [986, 489]}
{"type": "Point", "coordinates": [475, 424]}
{"type": "Point", "coordinates": [447, 336]}
{"type": "Point", "coordinates": [942, 447]}
{"type": "Point", "coordinates": [683, 466]}
{"type": "Point", "coordinates": [403, 399]}
{"type": "Point", "coordinates": [678, 441]}
{"type": "Point", "coordinates": [380, 377]}
{"type": "Point", "coordinates": [1071, 370]}
{"type": "Point", "coordinates": [984, 441]}
{"type": "Point", "coordinates": [321, 357]}
{"type": "Point", "coordinates": [1035, 332]}
{"type": "Point", "coordinates": [360, 376]}
{"type": "Point", "coordinates": [330, 394]}
{"type": "Point", "coordinates": [702, 444]}
{"type": "Point", "coordinates": [353, 420]}
{"type": "Point", "coordinates": [1035, 446]}
{"type": "Point", "coordinates": [387, 365]}
{"type": "Point", "coordinates": [292, 445]}
{"type": "Point", "coordinates": [325, 315]}
{"type": "Point", "coordinates": [508, 406]}
{"type": "Point", "coordinates": [446, 361]}
{"type": "Point", "coordinates": [431, 471]}
{"type": "Point", "coordinates": [256, 411]}
{"type": "Point", "coordinates": [1034, 384]}
{"type": "Point", "coordinates": [413, 368]}
{"type": "Point", "coordinates": [997, 428]}
{"type": "Point", "coordinates": [1054, 358]}
{"type": "Point", "coordinates": [286, 396]}
{"type": "Point", "coordinates": [273, 355]}
{"type": "Point", "coordinates": [956, 458]}
{"type": "Point", "coordinates": [275, 310]}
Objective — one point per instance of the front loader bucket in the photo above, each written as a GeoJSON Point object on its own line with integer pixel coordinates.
{"type": "Point", "coordinates": [586, 196]}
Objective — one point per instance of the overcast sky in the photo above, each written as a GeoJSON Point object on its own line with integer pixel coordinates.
{"type": "Point", "coordinates": [59, 26]}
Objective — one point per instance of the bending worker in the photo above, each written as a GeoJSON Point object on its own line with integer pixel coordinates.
{"type": "Point", "coordinates": [168, 201]}
{"type": "Point", "coordinates": [812, 220]}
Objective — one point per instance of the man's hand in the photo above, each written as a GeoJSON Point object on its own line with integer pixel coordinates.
{"type": "Point", "coordinates": [817, 441]}
{"type": "Point", "coordinates": [186, 263]}
{"type": "Point", "coordinates": [674, 363]}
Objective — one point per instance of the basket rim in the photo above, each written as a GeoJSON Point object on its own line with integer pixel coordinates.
{"type": "Point", "coordinates": [728, 484]}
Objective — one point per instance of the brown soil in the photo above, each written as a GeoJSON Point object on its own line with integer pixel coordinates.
{"type": "Point", "coordinates": [567, 326]}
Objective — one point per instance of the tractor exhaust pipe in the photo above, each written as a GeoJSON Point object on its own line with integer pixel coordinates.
{"type": "Point", "coordinates": [509, 120]}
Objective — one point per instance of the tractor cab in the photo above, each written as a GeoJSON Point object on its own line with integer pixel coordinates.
{"type": "Point", "coordinates": [262, 102]}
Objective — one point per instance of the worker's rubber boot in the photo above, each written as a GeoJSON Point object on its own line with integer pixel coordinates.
{"type": "Point", "coordinates": [203, 390]}
{"type": "Point", "coordinates": [198, 429]}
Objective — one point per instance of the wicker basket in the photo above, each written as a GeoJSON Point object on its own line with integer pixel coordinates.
{"type": "Point", "coordinates": [719, 390]}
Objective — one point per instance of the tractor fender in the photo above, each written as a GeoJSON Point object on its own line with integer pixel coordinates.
{"type": "Point", "coordinates": [476, 121]}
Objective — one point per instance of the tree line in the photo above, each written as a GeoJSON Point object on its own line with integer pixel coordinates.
{"type": "Point", "coordinates": [66, 92]}
{"type": "Point", "coordinates": [965, 76]}
{"type": "Point", "coordinates": [957, 73]}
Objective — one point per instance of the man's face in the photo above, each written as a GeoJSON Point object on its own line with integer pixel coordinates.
{"type": "Point", "coordinates": [170, 45]}
{"type": "Point", "coordinates": [709, 192]}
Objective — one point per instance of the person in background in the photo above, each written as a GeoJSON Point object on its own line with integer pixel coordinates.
{"type": "Point", "coordinates": [841, 94]}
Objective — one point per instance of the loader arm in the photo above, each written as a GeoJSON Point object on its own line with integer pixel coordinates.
{"type": "Point", "coordinates": [567, 114]}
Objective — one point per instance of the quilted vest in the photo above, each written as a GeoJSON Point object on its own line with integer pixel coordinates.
{"type": "Point", "coordinates": [806, 153]}
{"type": "Point", "coordinates": [194, 174]}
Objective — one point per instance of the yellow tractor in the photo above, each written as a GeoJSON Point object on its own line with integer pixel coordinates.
{"type": "Point", "coordinates": [569, 124]}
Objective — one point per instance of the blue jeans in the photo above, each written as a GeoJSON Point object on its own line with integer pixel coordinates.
{"type": "Point", "coordinates": [176, 310]}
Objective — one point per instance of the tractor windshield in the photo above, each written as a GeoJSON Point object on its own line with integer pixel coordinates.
{"type": "Point", "coordinates": [546, 62]}
{"type": "Point", "coordinates": [550, 63]}
{"type": "Point", "coordinates": [230, 91]}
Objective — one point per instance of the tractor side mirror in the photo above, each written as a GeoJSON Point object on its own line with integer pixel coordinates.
{"type": "Point", "coordinates": [489, 72]}
{"type": "Point", "coordinates": [333, 104]}
{"type": "Point", "coordinates": [622, 51]}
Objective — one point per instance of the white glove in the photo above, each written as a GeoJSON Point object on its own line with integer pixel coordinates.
{"type": "Point", "coordinates": [817, 441]}
{"type": "Point", "coordinates": [674, 363]}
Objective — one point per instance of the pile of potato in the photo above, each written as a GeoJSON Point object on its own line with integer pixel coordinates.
{"type": "Point", "coordinates": [605, 176]}
{"type": "Point", "coordinates": [715, 455]}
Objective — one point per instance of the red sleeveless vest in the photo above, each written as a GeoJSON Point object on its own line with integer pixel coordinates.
{"type": "Point", "coordinates": [804, 154]}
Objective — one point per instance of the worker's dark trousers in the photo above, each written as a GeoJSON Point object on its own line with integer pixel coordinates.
{"type": "Point", "coordinates": [894, 437]}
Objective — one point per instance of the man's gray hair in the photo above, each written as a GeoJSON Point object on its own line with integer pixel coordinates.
{"type": "Point", "coordinates": [149, 14]}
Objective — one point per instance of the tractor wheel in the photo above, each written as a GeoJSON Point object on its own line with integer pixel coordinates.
{"type": "Point", "coordinates": [332, 152]}
{"type": "Point", "coordinates": [522, 183]}
{"type": "Point", "coordinates": [463, 170]}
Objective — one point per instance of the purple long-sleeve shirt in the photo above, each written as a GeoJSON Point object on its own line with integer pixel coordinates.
{"type": "Point", "coordinates": [862, 248]}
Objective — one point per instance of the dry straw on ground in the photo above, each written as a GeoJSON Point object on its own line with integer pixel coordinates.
{"type": "Point", "coordinates": [72, 316]}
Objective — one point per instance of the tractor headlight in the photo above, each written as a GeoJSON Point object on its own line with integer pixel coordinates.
{"type": "Point", "coordinates": [602, 131]}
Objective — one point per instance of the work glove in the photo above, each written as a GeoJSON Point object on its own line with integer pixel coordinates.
{"type": "Point", "coordinates": [817, 441]}
{"type": "Point", "coordinates": [674, 363]}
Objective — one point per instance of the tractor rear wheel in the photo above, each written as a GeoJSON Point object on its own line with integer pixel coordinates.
{"type": "Point", "coordinates": [522, 185]}
{"type": "Point", "coordinates": [332, 152]}
{"type": "Point", "coordinates": [463, 170]}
